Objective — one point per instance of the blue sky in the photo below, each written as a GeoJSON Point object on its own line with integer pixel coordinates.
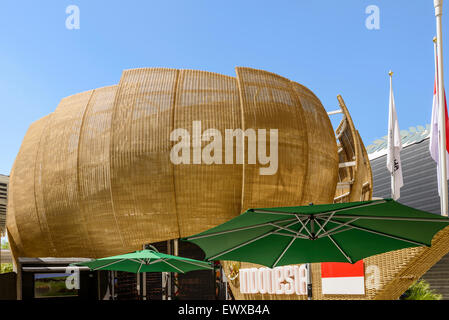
{"type": "Point", "coordinates": [321, 44]}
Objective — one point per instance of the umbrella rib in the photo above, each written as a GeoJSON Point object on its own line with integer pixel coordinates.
{"type": "Point", "coordinates": [304, 226]}
{"type": "Point", "coordinates": [336, 232]}
{"type": "Point", "coordinates": [241, 245]}
{"type": "Point", "coordinates": [338, 247]}
{"type": "Point", "coordinates": [394, 218]}
{"type": "Point", "coordinates": [384, 234]}
{"type": "Point", "coordinates": [155, 261]}
{"type": "Point", "coordinates": [172, 266]}
{"type": "Point", "coordinates": [282, 213]}
{"type": "Point", "coordinates": [283, 253]}
{"type": "Point", "coordinates": [234, 230]}
{"type": "Point", "coordinates": [291, 235]}
{"type": "Point", "coordinates": [297, 234]}
{"type": "Point", "coordinates": [332, 231]}
{"type": "Point", "coordinates": [135, 260]}
{"type": "Point", "coordinates": [108, 264]}
{"type": "Point", "coordinates": [246, 243]}
{"type": "Point", "coordinates": [208, 266]}
{"type": "Point", "coordinates": [285, 228]}
{"type": "Point", "coordinates": [325, 223]}
{"type": "Point", "coordinates": [141, 264]}
{"type": "Point", "coordinates": [374, 202]}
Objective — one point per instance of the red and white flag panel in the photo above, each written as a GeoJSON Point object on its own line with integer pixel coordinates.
{"type": "Point", "coordinates": [343, 278]}
{"type": "Point", "coordinates": [434, 125]}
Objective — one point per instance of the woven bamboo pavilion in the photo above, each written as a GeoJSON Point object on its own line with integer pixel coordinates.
{"type": "Point", "coordinates": [94, 178]}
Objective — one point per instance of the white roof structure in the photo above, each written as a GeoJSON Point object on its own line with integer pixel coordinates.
{"type": "Point", "coordinates": [411, 136]}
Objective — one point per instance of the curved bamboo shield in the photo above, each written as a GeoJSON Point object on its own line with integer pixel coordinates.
{"type": "Point", "coordinates": [355, 181]}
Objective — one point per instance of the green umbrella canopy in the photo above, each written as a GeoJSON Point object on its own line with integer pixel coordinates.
{"type": "Point", "coordinates": [344, 232]}
{"type": "Point", "coordinates": [146, 261]}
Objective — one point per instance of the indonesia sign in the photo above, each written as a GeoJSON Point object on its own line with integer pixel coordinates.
{"type": "Point", "coordinates": [280, 280]}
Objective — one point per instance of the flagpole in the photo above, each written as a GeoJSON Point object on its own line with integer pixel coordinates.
{"type": "Point", "coordinates": [392, 173]}
{"type": "Point", "coordinates": [438, 4]}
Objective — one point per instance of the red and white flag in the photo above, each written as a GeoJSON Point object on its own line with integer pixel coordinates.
{"type": "Point", "coordinates": [343, 278]}
{"type": "Point", "coordinates": [434, 126]}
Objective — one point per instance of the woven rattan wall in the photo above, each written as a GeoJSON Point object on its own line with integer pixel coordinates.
{"type": "Point", "coordinates": [94, 178]}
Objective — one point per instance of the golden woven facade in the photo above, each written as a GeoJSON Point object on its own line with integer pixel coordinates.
{"type": "Point", "coordinates": [94, 178]}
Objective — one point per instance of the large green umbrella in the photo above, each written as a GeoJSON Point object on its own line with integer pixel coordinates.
{"type": "Point", "coordinates": [146, 261]}
{"type": "Point", "coordinates": [346, 232]}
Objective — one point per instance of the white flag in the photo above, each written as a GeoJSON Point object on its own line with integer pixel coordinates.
{"type": "Point", "coordinates": [394, 149]}
{"type": "Point", "coordinates": [434, 127]}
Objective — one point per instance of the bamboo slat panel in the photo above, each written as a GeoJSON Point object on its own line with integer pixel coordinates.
{"type": "Point", "coordinates": [213, 100]}
{"type": "Point", "coordinates": [95, 201]}
{"type": "Point", "coordinates": [277, 103]}
{"type": "Point", "coordinates": [355, 181]}
{"type": "Point", "coordinates": [321, 164]}
{"type": "Point", "coordinates": [27, 226]}
{"type": "Point", "coordinates": [24, 176]}
{"type": "Point", "coordinates": [48, 247]}
{"type": "Point", "coordinates": [141, 172]}
{"type": "Point", "coordinates": [59, 177]}
{"type": "Point", "coordinates": [11, 229]}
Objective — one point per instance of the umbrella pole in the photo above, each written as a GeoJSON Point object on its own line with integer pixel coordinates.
{"type": "Point", "coordinates": [139, 292]}
{"type": "Point", "coordinates": [175, 275]}
{"type": "Point", "coordinates": [144, 282]}
{"type": "Point", "coordinates": [309, 282]}
{"type": "Point", "coordinates": [169, 274]}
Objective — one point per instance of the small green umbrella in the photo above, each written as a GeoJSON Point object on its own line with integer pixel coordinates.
{"type": "Point", "coordinates": [146, 261]}
{"type": "Point", "coordinates": [345, 232]}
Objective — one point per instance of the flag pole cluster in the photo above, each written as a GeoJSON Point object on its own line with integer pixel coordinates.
{"type": "Point", "coordinates": [438, 135]}
{"type": "Point", "coordinates": [434, 144]}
